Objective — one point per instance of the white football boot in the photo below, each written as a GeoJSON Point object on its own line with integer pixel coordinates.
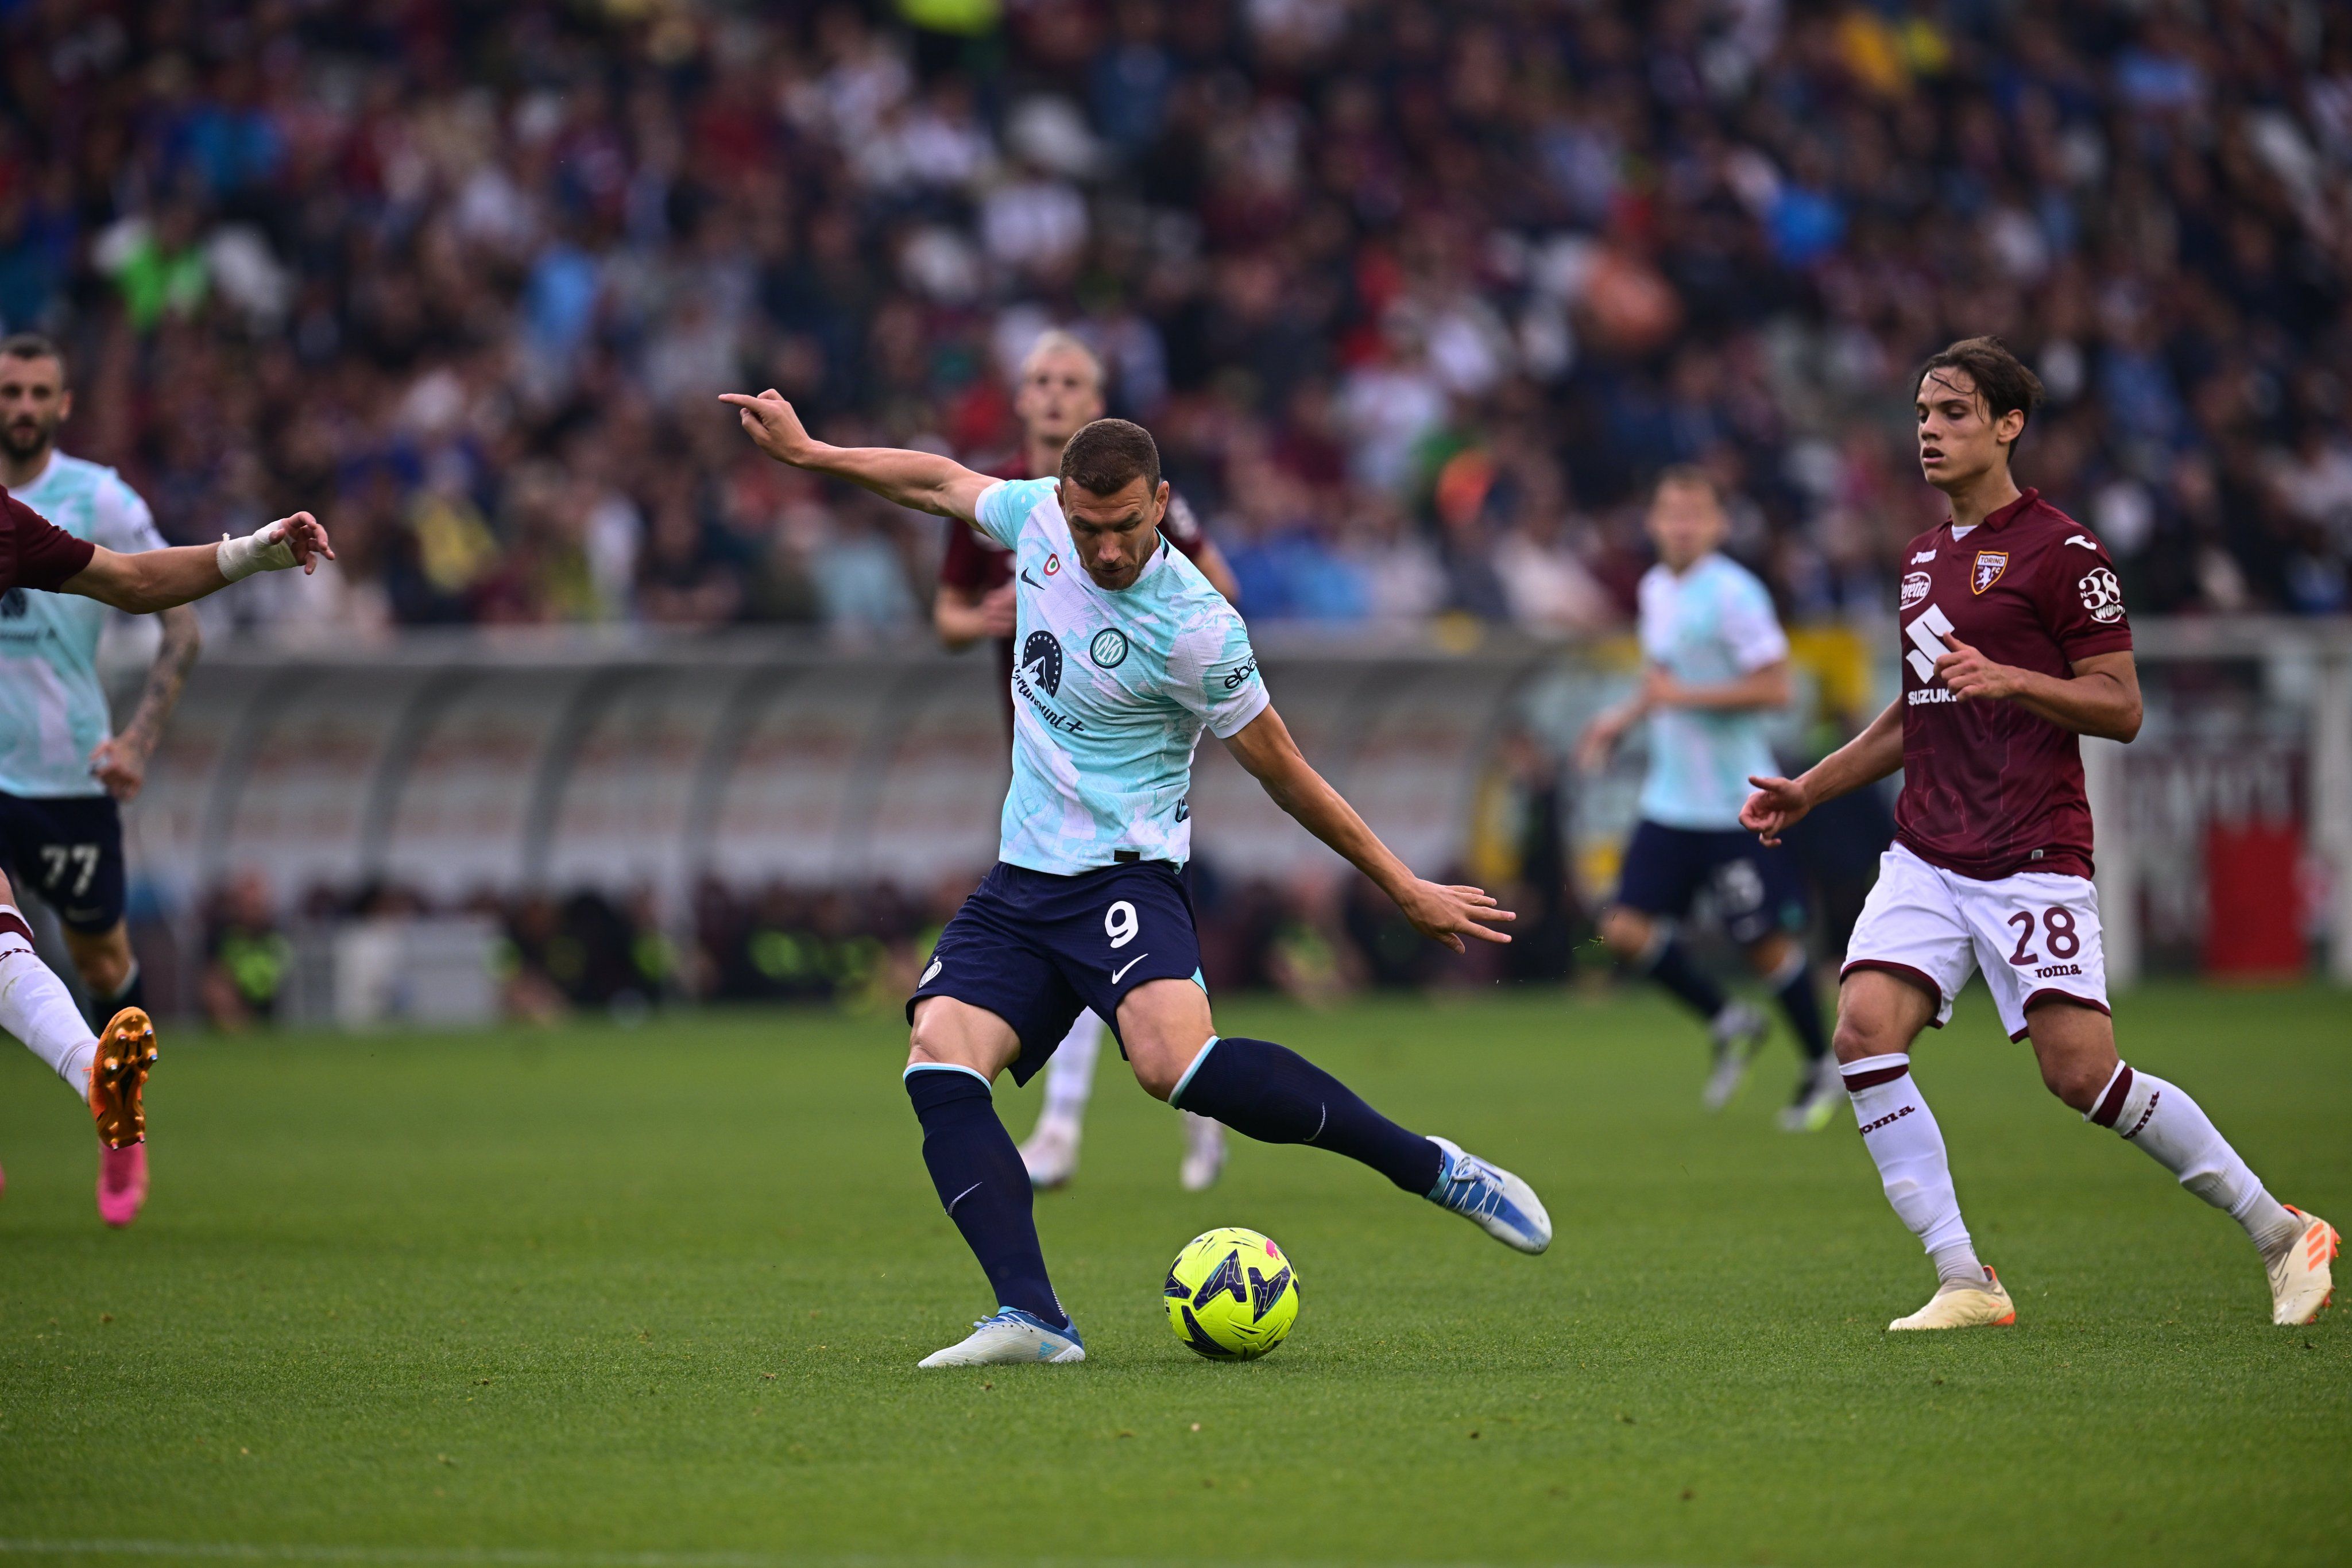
{"type": "Point", "coordinates": [1738, 1033]}
{"type": "Point", "coordinates": [2301, 1284]}
{"type": "Point", "coordinates": [1051, 1154]}
{"type": "Point", "coordinates": [1011, 1335]}
{"type": "Point", "coordinates": [1819, 1102]}
{"type": "Point", "coordinates": [1964, 1307]}
{"type": "Point", "coordinates": [1204, 1153]}
{"type": "Point", "coordinates": [1492, 1198]}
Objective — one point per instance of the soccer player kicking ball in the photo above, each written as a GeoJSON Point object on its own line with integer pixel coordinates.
{"type": "Point", "coordinates": [110, 1069]}
{"type": "Point", "coordinates": [1125, 654]}
{"type": "Point", "coordinates": [1715, 662]}
{"type": "Point", "coordinates": [1062, 390]}
{"type": "Point", "coordinates": [2015, 641]}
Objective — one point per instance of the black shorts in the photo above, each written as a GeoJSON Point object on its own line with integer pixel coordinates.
{"type": "Point", "coordinates": [1757, 889]}
{"type": "Point", "coordinates": [1037, 949]}
{"type": "Point", "coordinates": [67, 849]}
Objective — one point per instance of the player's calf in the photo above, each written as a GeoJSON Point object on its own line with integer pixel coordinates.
{"type": "Point", "coordinates": [2161, 1118]}
{"type": "Point", "coordinates": [109, 970]}
{"type": "Point", "coordinates": [955, 1050]}
{"type": "Point", "coordinates": [36, 1007]}
{"type": "Point", "coordinates": [1264, 1091]}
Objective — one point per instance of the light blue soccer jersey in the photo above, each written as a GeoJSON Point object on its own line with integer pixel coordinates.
{"type": "Point", "coordinates": [1712, 624]}
{"type": "Point", "coordinates": [53, 711]}
{"type": "Point", "coordinates": [1110, 693]}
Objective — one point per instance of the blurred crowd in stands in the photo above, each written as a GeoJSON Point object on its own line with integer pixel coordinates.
{"type": "Point", "coordinates": [855, 947]}
{"type": "Point", "coordinates": [1415, 296]}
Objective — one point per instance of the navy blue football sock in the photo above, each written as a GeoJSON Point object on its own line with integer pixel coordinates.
{"type": "Point", "coordinates": [133, 994]}
{"type": "Point", "coordinates": [1672, 968]}
{"type": "Point", "coordinates": [1802, 1006]}
{"type": "Point", "coordinates": [981, 1181]}
{"type": "Point", "coordinates": [1276, 1096]}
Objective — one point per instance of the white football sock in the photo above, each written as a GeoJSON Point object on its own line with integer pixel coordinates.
{"type": "Point", "coordinates": [36, 1007]}
{"type": "Point", "coordinates": [1901, 1135]}
{"type": "Point", "coordinates": [1070, 1071]}
{"type": "Point", "coordinates": [2174, 1130]}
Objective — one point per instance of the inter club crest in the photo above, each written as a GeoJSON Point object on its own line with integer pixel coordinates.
{"type": "Point", "coordinates": [1990, 564]}
{"type": "Point", "coordinates": [1108, 648]}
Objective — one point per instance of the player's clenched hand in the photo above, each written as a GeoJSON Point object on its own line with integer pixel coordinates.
{"type": "Point", "coordinates": [120, 765]}
{"type": "Point", "coordinates": [1774, 809]}
{"type": "Point", "coordinates": [1600, 737]}
{"type": "Point", "coordinates": [1447, 914]}
{"type": "Point", "coordinates": [1969, 676]}
{"type": "Point", "coordinates": [774, 425]}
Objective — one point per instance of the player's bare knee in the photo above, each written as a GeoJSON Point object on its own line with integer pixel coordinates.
{"type": "Point", "coordinates": [2076, 1063]}
{"type": "Point", "coordinates": [2074, 1087]}
{"type": "Point", "coordinates": [940, 1036]}
{"type": "Point", "coordinates": [1159, 1070]}
{"type": "Point", "coordinates": [1769, 956]}
{"type": "Point", "coordinates": [1862, 1032]}
{"type": "Point", "coordinates": [1853, 1039]}
{"type": "Point", "coordinates": [1626, 932]}
{"type": "Point", "coordinates": [103, 962]}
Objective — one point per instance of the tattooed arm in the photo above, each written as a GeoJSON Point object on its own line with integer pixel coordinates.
{"type": "Point", "coordinates": [120, 761]}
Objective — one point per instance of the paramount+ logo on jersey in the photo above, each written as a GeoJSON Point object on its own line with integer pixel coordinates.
{"type": "Point", "coordinates": [1040, 662]}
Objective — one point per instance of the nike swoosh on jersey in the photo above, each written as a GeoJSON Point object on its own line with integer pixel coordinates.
{"type": "Point", "coordinates": [1029, 580]}
{"type": "Point", "coordinates": [2086, 541]}
{"type": "Point", "coordinates": [1116, 974]}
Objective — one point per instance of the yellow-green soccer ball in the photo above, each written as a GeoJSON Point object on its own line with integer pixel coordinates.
{"type": "Point", "coordinates": [1232, 1294]}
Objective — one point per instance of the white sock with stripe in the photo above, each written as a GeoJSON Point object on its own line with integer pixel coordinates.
{"type": "Point", "coordinates": [36, 1007]}
{"type": "Point", "coordinates": [1902, 1136]}
{"type": "Point", "coordinates": [2174, 1132]}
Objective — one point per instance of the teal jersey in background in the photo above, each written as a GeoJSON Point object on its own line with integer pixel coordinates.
{"type": "Point", "coordinates": [1110, 693]}
{"type": "Point", "coordinates": [1712, 624]}
{"type": "Point", "coordinates": [53, 710]}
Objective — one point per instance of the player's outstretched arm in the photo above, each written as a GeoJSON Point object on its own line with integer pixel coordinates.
{"type": "Point", "coordinates": [155, 580]}
{"type": "Point", "coordinates": [1440, 913]}
{"type": "Point", "coordinates": [1766, 686]}
{"type": "Point", "coordinates": [922, 480]}
{"type": "Point", "coordinates": [1869, 757]}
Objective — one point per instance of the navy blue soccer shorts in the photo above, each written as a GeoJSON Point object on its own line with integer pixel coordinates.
{"type": "Point", "coordinates": [1037, 949]}
{"type": "Point", "coordinates": [1757, 889]}
{"type": "Point", "coordinates": [67, 849]}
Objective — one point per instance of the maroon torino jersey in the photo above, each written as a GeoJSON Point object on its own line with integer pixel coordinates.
{"type": "Point", "coordinates": [979, 565]}
{"type": "Point", "coordinates": [35, 552]}
{"type": "Point", "coordinates": [1989, 789]}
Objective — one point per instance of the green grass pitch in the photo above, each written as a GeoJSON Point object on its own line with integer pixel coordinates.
{"type": "Point", "coordinates": [654, 1298]}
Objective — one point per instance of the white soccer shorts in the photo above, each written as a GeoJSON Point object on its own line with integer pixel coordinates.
{"type": "Point", "coordinates": [2034, 934]}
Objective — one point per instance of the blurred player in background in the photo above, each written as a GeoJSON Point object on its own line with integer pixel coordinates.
{"type": "Point", "coordinates": [62, 770]}
{"type": "Point", "coordinates": [108, 1070]}
{"type": "Point", "coordinates": [2014, 642]}
{"type": "Point", "coordinates": [1126, 655]}
{"type": "Point", "coordinates": [1061, 389]}
{"type": "Point", "coordinates": [1715, 663]}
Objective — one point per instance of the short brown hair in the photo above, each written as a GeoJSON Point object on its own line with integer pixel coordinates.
{"type": "Point", "coordinates": [2003, 378]}
{"type": "Point", "coordinates": [33, 346]}
{"type": "Point", "coordinates": [1103, 457]}
{"type": "Point", "coordinates": [1686, 475]}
